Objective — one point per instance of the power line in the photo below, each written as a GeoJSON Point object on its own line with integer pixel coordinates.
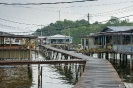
{"type": "Point", "coordinates": [91, 5]}
{"type": "Point", "coordinates": [7, 26]}
{"type": "Point", "coordinates": [45, 3]}
{"type": "Point", "coordinates": [13, 28]}
{"type": "Point", "coordinates": [20, 18]}
{"type": "Point", "coordinates": [110, 13]}
{"type": "Point", "coordinates": [116, 18]}
{"type": "Point", "coordinates": [83, 17]}
{"type": "Point", "coordinates": [44, 9]}
{"type": "Point", "coordinates": [18, 22]}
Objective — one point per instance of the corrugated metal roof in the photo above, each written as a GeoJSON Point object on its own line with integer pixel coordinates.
{"type": "Point", "coordinates": [117, 28]}
{"type": "Point", "coordinates": [58, 36]}
{"type": "Point", "coordinates": [19, 36]}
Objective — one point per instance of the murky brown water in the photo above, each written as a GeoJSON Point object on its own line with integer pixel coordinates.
{"type": "Point", "coordinates": [53, 76]}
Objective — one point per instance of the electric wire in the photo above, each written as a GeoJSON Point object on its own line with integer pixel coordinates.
{"type": "Point", "coordinates": [45, 3]}
{"type": "Point", "coordinates": [19, 22]}
{"type": "Point", "coordinates": [45, 10]}
{"type": "Point", "coordinates": [68, 27]}
{"type": "Point", "coordinates": [110, 13]}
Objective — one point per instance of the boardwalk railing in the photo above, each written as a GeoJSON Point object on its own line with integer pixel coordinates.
{"type": "Point", "coordinates": [123, 48]}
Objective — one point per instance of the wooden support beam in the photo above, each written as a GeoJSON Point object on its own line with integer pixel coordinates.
{"type": "Point", "coordinates": [131, 62]}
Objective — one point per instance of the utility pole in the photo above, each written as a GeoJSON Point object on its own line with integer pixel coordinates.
{"type": "Point", "coordinates": [88, 18]}
{"type": "Point", "coordinates": [88, 28]}
{"type": "Point", "coordinates": [50, 35]}
{"type": "Point", "coordinates": [41, 35]}
{"type": "Point", "coordinates": [59, 15]}
{"type": "Point", "coordinates": [69, 35]}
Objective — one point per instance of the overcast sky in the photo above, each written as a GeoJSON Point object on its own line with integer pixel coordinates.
{"type": "Point", "coordinates": [100, 10]}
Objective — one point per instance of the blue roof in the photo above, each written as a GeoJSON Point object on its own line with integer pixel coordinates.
{"type": "Point", "coordinates": [116, 28]}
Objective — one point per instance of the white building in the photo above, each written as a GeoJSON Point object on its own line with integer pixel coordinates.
{"type": "Point", "coordinates": [42, 39]}
{"type": "Point", "coordinates": [58, 39]}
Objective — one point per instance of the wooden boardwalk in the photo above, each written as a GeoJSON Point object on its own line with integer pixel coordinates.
{"type": "Point", "coordinates": [98, 73]}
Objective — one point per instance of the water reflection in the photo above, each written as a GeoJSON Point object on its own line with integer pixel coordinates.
{"type": "Point", "coordinates": [15, 77]}
{"type": "Point", "coordinates": [69, 73]}
{"type": "Point", "coordinates": [124, 72]}
{"type": "Point", "coordinates": [53, 76]}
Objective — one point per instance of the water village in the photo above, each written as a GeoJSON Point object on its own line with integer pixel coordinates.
{"type": "Point", "coordinates": [98, 72]}
{"type": "Point", "coordinates": [44, 44]}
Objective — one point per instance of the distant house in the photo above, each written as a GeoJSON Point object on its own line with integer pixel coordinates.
{"type": "Point", "coordinates": [42, 39]}
{"type": "Point", "coordinates": [84, 42]}
{"type": "Point", "coordinates": [118, 37]}
{"type": "Point", "coordinates": [16, 46]}
{"type": "Point", "coordinates": [58, 39]}
{"type": "Point", "coordinates": [4, 39]}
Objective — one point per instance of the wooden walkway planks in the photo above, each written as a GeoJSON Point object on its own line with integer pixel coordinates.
{"type": "Point", "coordinates": [98, 73]}
{"type": "Point", "coordinates": [128, 85]}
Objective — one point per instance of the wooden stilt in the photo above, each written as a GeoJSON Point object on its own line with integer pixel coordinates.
{"type": "Point", "coordinates": [131, 62]}
{"type": "Point", "coordinates": [38, 75]}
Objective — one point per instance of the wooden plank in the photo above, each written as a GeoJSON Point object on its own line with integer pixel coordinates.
{"type": "Point", "coordinates": [128, 85]}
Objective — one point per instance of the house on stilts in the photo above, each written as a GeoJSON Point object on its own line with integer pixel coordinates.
{"type": "Point", "coordinates": [16, 46]}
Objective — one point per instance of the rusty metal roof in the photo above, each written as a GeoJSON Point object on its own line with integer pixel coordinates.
{"type": "Point", "coordinates": [117, 28]}
{"type": "Point", "coordinates": [18, 36]}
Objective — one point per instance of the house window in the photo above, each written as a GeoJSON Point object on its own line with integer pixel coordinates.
{"type": "Point", "coordinates": [16, 40]}
{"type": "Point", "coordinates": [83, 42]}
{"type": "Point", "coordinates": [6, 40]}
{"type": "Point", "coordinates": [86, 42]}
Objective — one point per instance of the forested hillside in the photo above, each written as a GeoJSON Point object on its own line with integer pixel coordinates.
{"type": "Point", "coordinates": [79, 28]}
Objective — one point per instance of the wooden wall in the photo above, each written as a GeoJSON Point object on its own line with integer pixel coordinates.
{"type": "Point", "coordinates": [15, 54]}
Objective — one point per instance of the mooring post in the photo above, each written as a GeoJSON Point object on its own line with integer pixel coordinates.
{"type": "Point", "coordinates": [56, 55]}
{"type": "Point", "coordinates": [116, 59]}
{"type": "Point", "coordinates": [81, 69]}
{"type": "Point", "coordinates": [106, 55]}
{"type": "Point", "coordinates": [53, 54]}
{"type": "Point", "coordinates": [126, 60]}
{"type": "Point", "coordinates": [38, 75]}
{"type": "Point", "coordinates": [131, 62]}
{"type": "Point", "coordinates": [102, 55]}
{"type": "Point", "coordinates": [92, 54]}
{"type": "Point", "coordinates": [99, 55]}
{"type": "Point", "coordinates": [62, 56]}
{"type": "Point", "coordinates": [120, 58]}
{"type": "Point", "coordinates": [29, 71]}
{"type": "Point", "coordinates": [41, 76]}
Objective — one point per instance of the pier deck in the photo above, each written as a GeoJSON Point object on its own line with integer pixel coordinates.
{"type": "Point", "coordinates": [98, 73]}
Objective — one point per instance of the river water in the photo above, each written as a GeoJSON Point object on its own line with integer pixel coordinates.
{"type": "Point", "coordinates": [53, 76]}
